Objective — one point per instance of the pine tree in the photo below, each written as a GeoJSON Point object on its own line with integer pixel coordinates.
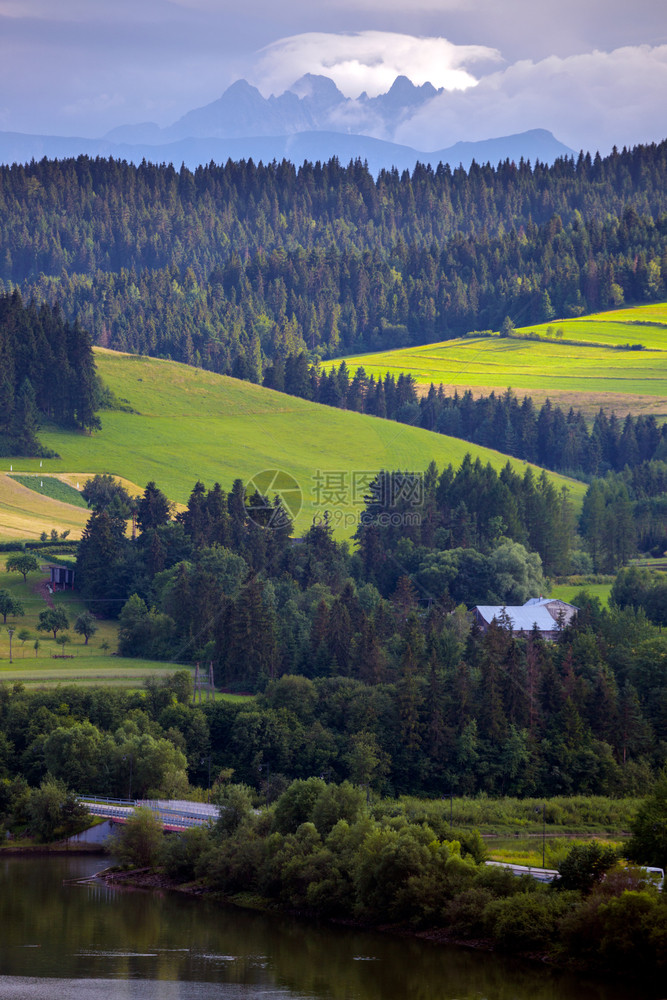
{"type": "Point", "coordinates": [25, 421]}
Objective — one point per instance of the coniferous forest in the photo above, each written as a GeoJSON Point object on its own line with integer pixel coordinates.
{"type": "Point", "coordinates": [47, 372]}
{"type": "Point", "coordinates": [232, 265]}
{"type": "Point", "coordinates": [367, 660]}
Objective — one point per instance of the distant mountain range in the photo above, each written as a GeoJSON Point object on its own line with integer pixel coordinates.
{"type": "Point", "coordinates": [311, 121]}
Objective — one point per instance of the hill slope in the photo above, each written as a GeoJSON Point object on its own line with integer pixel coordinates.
{"type": "Point", "coordinates": [192, 424]}
{"type": "Point", "coordinates": [585, 375]}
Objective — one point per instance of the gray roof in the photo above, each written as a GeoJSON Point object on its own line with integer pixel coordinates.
{"type": "Point", "coordinates": [523, 618]}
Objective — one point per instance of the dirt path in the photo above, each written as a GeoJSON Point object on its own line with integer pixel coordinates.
{"type": "Point", "coordinates": [41, 589]}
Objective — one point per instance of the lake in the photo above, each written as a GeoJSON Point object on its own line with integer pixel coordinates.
{"type": "Point", "coordinates": [62, 939]}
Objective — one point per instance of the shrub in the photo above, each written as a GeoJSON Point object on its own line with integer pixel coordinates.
{"type": "Point", "coordinates": [138, 842]}
{"type": "Point", "coordinates": [585, 865]}
{"type": "Point", "coordinates": [181, 852]}
{"type": "Point", "coordinates": [527, 921]}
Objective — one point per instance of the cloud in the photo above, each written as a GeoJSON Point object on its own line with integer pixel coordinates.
{"type": "Point", "coordinates": [368, 61]}
{"type": "Point", "coordinates": [590, 101]}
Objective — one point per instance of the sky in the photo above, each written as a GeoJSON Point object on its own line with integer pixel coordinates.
{"type": "Point", "coordinates": [594, 72]}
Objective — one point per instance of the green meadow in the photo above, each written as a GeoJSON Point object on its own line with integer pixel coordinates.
{"type": "Point", "coordinates": [191, 424]}
{"type": "Point", "coordinates": [585, 374]}
{"type": "Point", "coordinates": [568, 591]}
{"type": "Point", "coordinates": [645, 325]}
{"type": "Point", "coordinates": [49, 664]}
{"type": "Point", "coordinates": [28, 510]}
{"type": "Point", "coordinates": [524, 364]}
{"type": "Point", "coordinates": [49, 486]}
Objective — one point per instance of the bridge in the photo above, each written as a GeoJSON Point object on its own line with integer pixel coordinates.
{"type": "Point", "coordinates": [173, 814]}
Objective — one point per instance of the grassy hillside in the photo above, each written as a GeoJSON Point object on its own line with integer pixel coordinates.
{"type": "Point", "coordinates": [191, 424]}
{"type": "Point", "coordinates": [25, 513]}
{"type": "Point", "coordinates": [40, 501]}
{"type": "Point", "coordinates": [572, 374]}
{"type": "Point", "coordinates": [86, 664]}
{"type": "Point", "coordinates": [645, 325]}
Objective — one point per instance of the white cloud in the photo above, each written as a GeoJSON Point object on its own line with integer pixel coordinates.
{"type": "Point", "coordinates": [368, 61]}
{"type": "Point", "coordinates": [590, 101]}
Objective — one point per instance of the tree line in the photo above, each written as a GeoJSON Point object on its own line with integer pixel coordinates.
{"type": "Point", "coordinates": [243, 261]}
{"type": "Point", "coordinates": [47, 372]}
{"type": "Point", "coordinates": [545, 436]}
{"type": "Point", "coordinates": [322, 851]}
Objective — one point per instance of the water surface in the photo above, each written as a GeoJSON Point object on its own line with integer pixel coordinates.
{"type": "Point", "coordinates": [65, 940]}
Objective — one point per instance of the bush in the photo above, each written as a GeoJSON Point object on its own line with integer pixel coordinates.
{"type": "Point", "coordinates": [138, 843]}
{"type": "Point", "coordinates": [464, 914]}
{"type": "Point", "coordinates": [181, 852]}
{"type": "Point", "coordinates": [527, 921]}
{"type": "Point", "coordinates": [585, 866]}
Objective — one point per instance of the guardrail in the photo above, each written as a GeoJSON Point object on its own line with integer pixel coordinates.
{"type": "Point", "coordinates": [539, 874]}
{"type": "Point", "coordinates": [172, 814]}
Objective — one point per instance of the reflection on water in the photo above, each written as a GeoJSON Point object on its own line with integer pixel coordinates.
{"type": "Point", "coordinates": [87, 941]}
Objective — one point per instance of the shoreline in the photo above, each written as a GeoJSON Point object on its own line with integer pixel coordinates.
{"type": "Point", "coordinates": [152, 880]}
{"type": "Point", "coordinates": [59, 848]}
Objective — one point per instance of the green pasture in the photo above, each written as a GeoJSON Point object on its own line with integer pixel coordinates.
{"type": "Point", "coordinates": [595, 330]}
{"type": "Point", "coordinates": [567, 591]}
{"type": "Point", "coordinates": [49, 486]}
{"type": "Point", "coordinates": [95, 663]}
{"type": "Point", "coordinates": [192, 424]}
{"type": "Point", "coordinates": [645, 325]}
{"type": "Point", "coordinates": [496, 362]}
{"type": "Point", "coordinates": [26, 512]}
{"type": "Point", "coordinates": [582, 374]}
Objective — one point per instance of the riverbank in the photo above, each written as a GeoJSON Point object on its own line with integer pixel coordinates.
{"type": "Point", "coordinates": [555, 957]}
{"type": "Point", "coordinates": [66, 932]}
{"type": "Point", "coordinates": [26, 850]}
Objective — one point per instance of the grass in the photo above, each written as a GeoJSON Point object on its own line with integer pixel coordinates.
{"type": "Point", "coordinates": [191, 424]}
{"type": "Point", "coordinates": [528, 850]}
{"type": "Point", "coordinates": [645, 325]}
{"type": "Point", "coordinates": [90, 664]}
{"type": "Point", "coordinates": [26, 513]}
{"type": "Point", "coordinates": [495, 362]}
{"type": "Point", "coordinates": [580, 375]}
{"type": "Point", "coordinates": [51, 486]}
{"type": "Point", "coordinates": [508, 816]}
{"type": "Point", "coordinates": [567, 591]}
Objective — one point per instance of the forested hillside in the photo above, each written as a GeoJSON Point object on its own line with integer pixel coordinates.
{"type": "Point", "coordinates": [368, 661]}
{"type": "Point", "coordinates": [231, 265]}
{"type": "Point", "coordinates": [546, 436]}
{"type": "Point", "coordinates": [47, 371]}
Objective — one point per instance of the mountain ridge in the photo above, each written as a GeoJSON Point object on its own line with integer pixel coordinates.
{"type": "Point", "coordinates": [312, 120]}
{"type": "Point", "coordinates": [18, 147]}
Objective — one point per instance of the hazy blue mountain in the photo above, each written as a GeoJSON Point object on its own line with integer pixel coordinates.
{"type": "Point", "coordinates": [310, 145]}
{"type": "Point", "coordinates": [312, 120]}
{"type": "Point", "coordinates": [313, 103]}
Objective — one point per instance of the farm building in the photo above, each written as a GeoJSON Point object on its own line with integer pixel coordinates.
{"type": "Point", "coordinates": [547, 613]}
{"type": "Point", "coordinates": [62, 578]}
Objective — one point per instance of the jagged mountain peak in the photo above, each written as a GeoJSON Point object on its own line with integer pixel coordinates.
{"type": "Point", "coordinates": [314, 86]}
{"type": "Point", "coordinates": [404, 88]}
